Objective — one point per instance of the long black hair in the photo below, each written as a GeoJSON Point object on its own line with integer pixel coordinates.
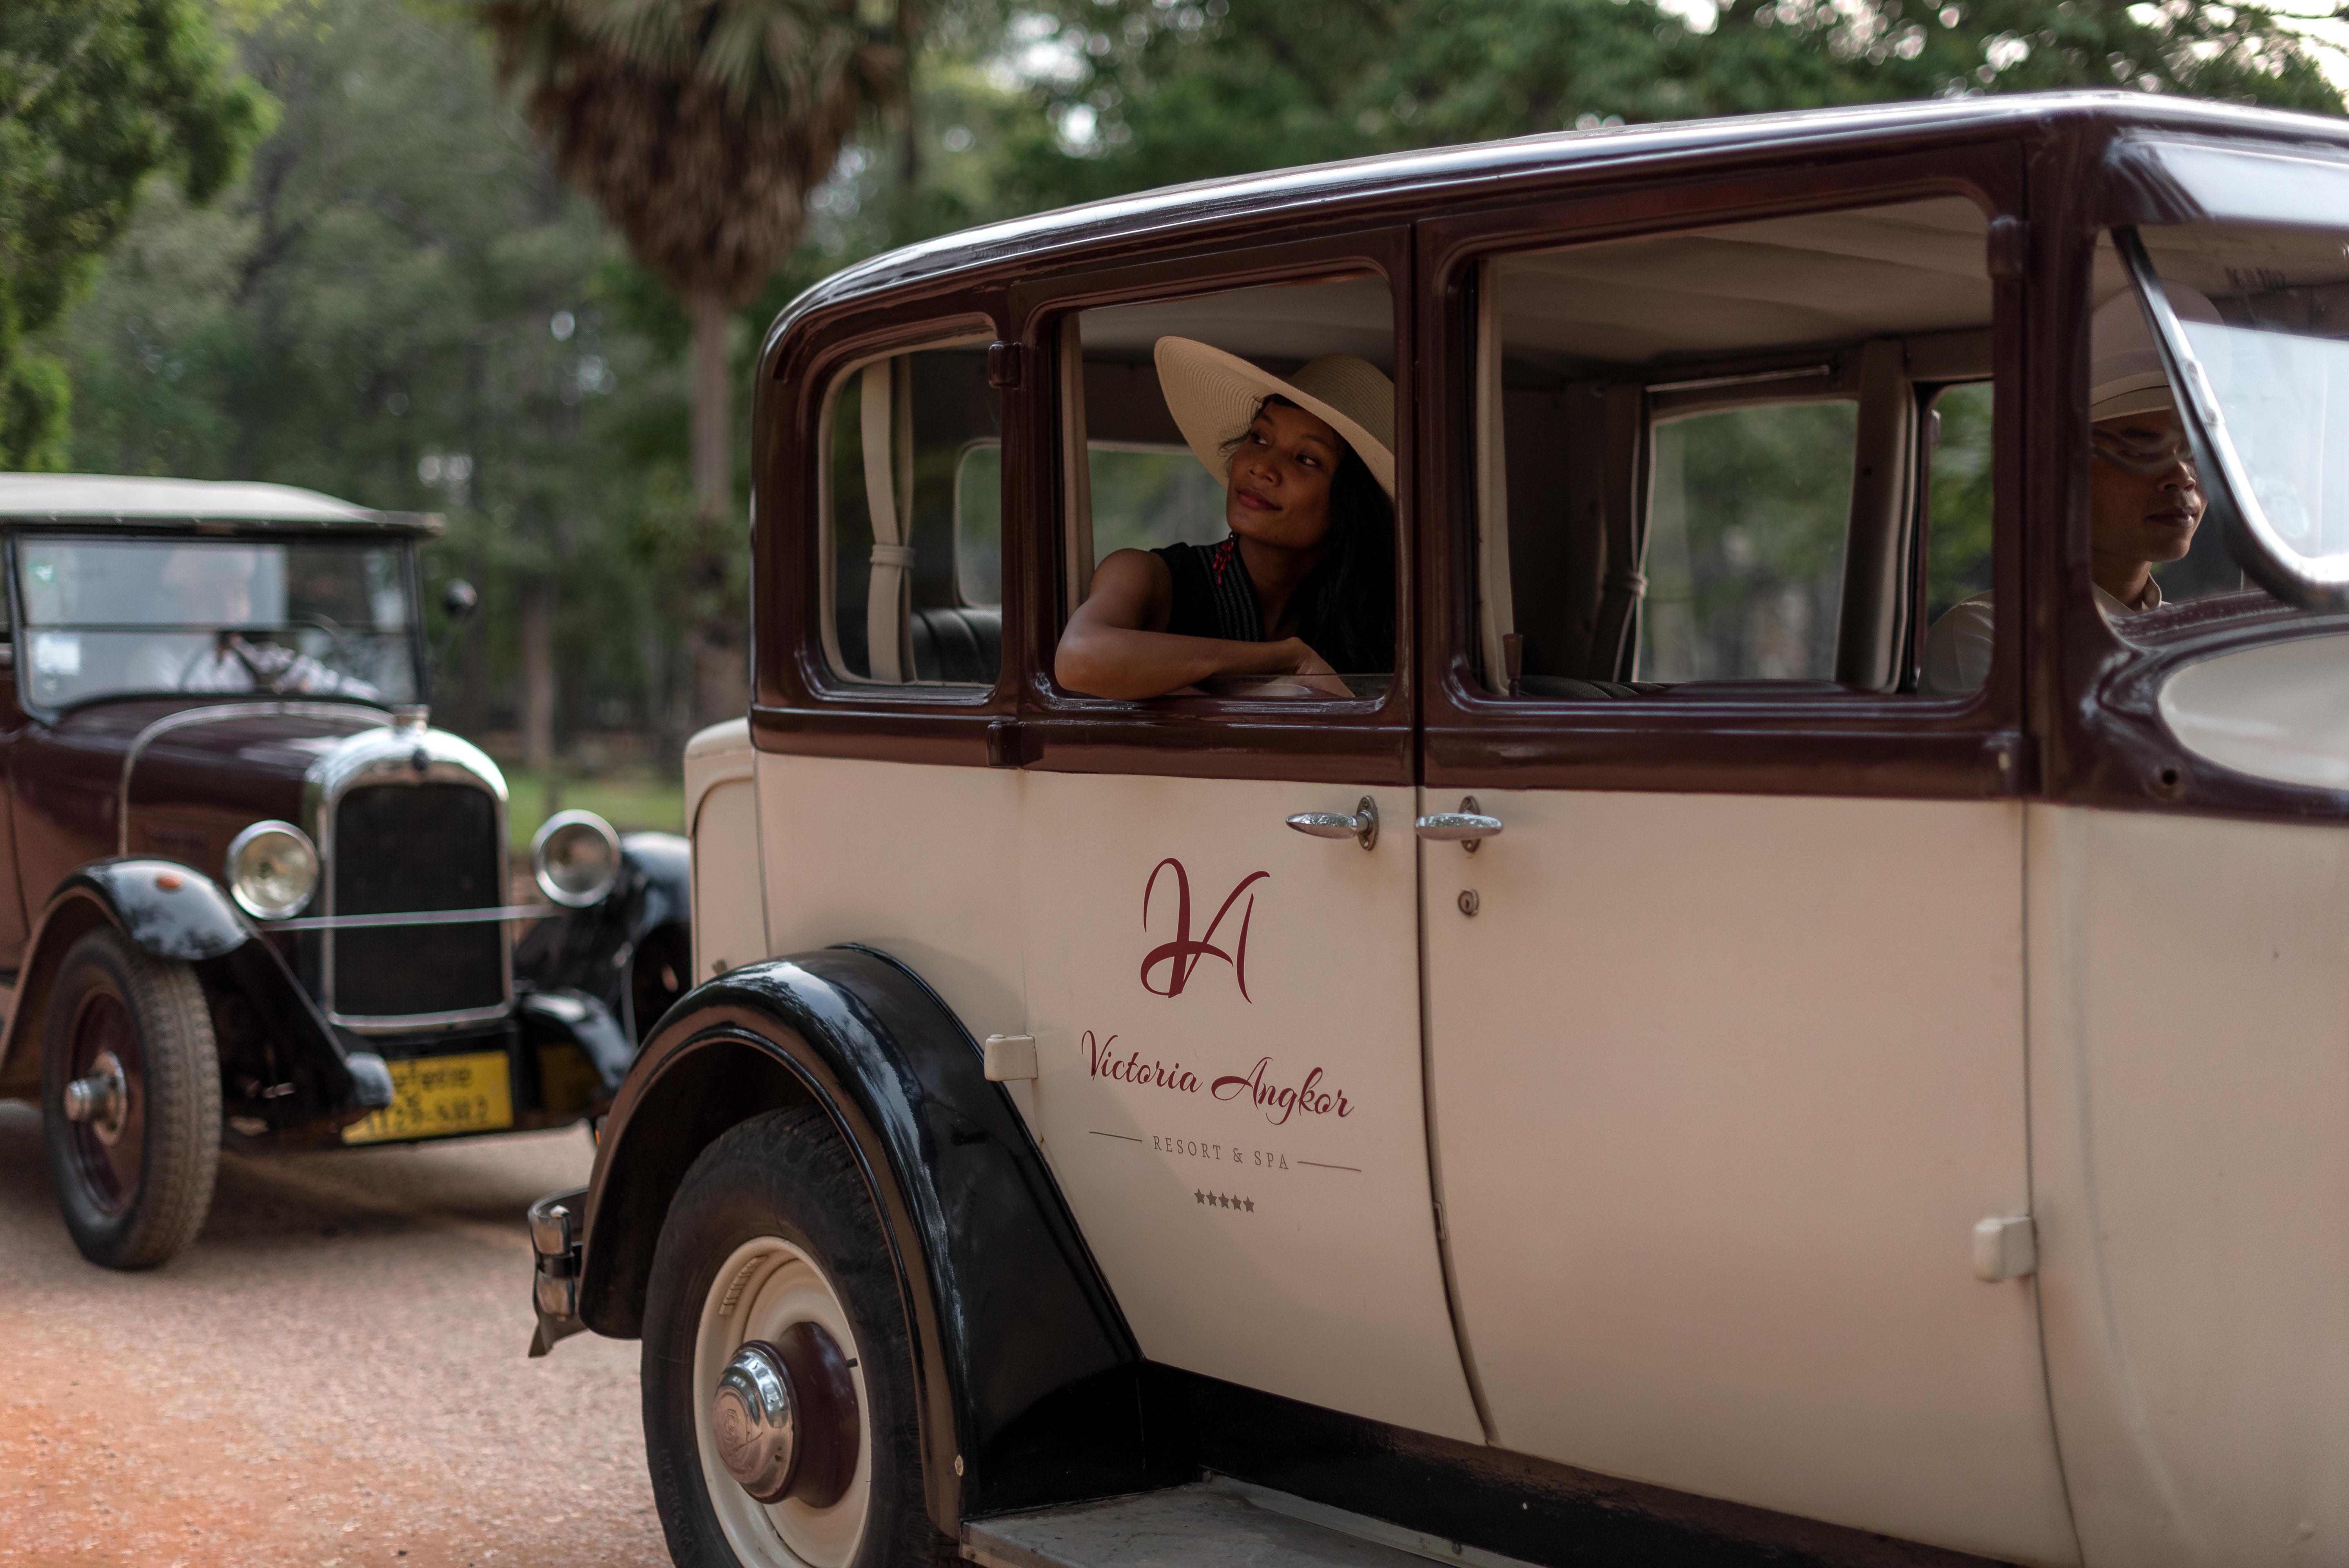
{"type": "Point", "coordinates": [1346, 609]}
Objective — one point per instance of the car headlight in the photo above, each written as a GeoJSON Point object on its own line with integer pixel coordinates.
{"type": "Point", "coordinates": [273, 870]}
{"type": "Point", "coordinates": [576, 858]}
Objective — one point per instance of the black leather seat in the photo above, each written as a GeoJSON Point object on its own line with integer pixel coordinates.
{"type": "Point", "coordinates": [964, 647]}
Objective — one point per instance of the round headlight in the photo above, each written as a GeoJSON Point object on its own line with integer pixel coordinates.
{"type": "Point", "coordinates": [576, 858]}
{"type": "Point", "coordinates": [273, 870]}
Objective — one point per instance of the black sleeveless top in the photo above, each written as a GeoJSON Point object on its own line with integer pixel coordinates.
{"type": "Point", "coordinates": [1213, 595]}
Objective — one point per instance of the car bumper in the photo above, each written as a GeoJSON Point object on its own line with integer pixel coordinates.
{"type": "Point", "coordinates": [555, 1233]}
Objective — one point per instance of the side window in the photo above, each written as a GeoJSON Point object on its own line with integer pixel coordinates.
{"type": "Point", "coordinates": [1748, 510]}
{"type": "Point", "coordinates": [1707, 457]}
{"type": "Point", "coordinates": [911, 509]}
{"type": "Point", "coordinates": [1169, 391]}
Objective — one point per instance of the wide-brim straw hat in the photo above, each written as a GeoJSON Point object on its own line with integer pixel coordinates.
{"type": "Point", "coordinates": [1214, 396]}
{"type": "Point", "coordinates": [2125, 373]}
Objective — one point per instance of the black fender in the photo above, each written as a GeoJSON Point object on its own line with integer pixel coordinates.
{"type": "Point", "coordinates": [173, 911]}
{"type": "Point", "coordinates": [1029, 1374]}
{"type": "Point", "coordinates": [647, 914]}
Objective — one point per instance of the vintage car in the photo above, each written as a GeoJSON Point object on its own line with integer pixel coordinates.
{"type": "Point", "coordinates": [248, 893]}
{"type": "Point", "coordinates": [1652, 1066]}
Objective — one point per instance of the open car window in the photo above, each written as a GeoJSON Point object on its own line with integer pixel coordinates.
{"type": "Point", "coordinates": [1708, 456]}
{"type": "Point", "coordinates": [1144, 484]}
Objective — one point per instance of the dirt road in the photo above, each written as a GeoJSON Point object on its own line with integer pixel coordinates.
{"type": "Point", "coordinates": [332, 1376]}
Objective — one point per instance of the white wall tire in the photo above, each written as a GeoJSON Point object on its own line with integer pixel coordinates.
{"type": "Point", "coordinates": [771, 1227]}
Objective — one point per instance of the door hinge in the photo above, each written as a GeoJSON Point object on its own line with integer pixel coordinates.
{"type": "Point", "coordinates": [1003, 366]}
{"type": "Point", "coordinates": [2009, 247]}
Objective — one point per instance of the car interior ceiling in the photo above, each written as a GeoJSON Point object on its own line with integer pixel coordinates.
{"type": "Point", "coordinates": [1598, 344]}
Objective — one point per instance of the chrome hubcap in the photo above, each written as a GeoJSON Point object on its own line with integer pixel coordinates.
{"type": "Point", "coordinates": [751, 1414]}
{"type": "Point", "coordinates": [784, 1418]}
{"type": "Point", "coordinates": [98, 1100]}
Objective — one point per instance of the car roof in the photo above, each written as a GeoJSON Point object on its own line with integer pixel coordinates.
{"type": "Point", "coordinates": [1297, 195]}
{"type": "Point", "coordinates": [114, 501]}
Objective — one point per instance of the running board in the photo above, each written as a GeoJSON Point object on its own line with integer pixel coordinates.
{"type": "Point", "coordinates": [1217, 1523]}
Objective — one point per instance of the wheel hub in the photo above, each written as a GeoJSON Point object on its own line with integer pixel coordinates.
{"type": "Point", "coordinates": [98, 1099]}
{"type": "Point", "coordinates": [785, 1419]}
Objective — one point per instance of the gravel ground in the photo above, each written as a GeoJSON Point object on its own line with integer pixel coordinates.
{"type": "Point", "coordinates": [332, 1376]}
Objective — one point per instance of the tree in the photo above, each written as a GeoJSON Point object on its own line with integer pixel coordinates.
{"type": "Point", "coordinates": [95, 94]}
{"type": "Point", "coordinates": [1140, 93]}
{"type": "Point", "coordinates": [701, 127]}
{"type": "Point", "coordinates": [400, 303]}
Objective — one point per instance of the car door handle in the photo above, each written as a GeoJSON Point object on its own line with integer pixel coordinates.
{"type": "Point", "coordinates": [1362, 824]}
{"type": "Point", "coordinates": [1467, 826]}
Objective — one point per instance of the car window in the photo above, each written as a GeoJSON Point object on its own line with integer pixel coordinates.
{"type": "Point", "coordinates": [1151, 481]}
{"type": "Point", "coordinates": [911, 509]}
{"type": "Point", "coordinates": [1144, 495]}
{"type": "Point", "coordinates": [1704, 457]}
{"type": "Point", "coordinates": [1748, 510]}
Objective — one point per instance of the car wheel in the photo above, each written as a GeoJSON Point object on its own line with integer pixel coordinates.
{"type": "Point", "coordinates": [772, 1292]}
{"type": "Point", "coordinates": [131, 1102]}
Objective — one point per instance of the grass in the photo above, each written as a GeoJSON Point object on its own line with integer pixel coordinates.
{"type": "Point", "coordinates": [631, 801]}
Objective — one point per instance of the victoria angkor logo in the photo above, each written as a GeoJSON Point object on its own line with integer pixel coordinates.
{"type": "Point", "coordinates": [1179, 955]}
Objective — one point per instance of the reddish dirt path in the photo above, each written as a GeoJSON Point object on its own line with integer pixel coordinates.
{"type": "Point", "coordinates": [332, 1377]}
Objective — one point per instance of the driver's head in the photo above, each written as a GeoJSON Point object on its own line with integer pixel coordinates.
{"type": "Point", "coordinates": [2145, 499]}
{"type": "Point", "coordinates": [212, 584]}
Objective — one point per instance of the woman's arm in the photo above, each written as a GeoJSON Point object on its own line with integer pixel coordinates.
{"type": "Point", "coordinates": [1116, 644]}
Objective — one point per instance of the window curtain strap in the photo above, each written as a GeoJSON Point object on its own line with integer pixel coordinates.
{"type": "Point", "coordinates": [900, 556]}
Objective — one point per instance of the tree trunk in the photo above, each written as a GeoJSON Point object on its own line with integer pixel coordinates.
{"type": "Point", "coordinates": [716, 636]}
{"type": "Point", "coordinates": [538, 673]}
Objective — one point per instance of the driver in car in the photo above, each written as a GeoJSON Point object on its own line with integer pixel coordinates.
{"type": "Point", "coordinates": [212, 584]}
{"type": "Point", "coordinates": [2145, 499]}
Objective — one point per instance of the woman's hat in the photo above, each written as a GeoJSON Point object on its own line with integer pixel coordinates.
{"type": "Point", "coordinates": [2125, 373]}
{"type": "Point", "coordinates": [1213, 394]}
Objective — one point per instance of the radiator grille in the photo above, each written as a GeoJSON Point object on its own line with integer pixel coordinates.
{"type": "Point", "coordinates": [403, 848]}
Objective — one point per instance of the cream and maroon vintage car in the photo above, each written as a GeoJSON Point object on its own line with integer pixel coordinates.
{"type": "Point", "coordinates": [1651, 1070]}
{"type": "Point", "coordinates": [248, 891]}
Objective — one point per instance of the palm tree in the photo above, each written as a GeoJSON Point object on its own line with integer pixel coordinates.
{"type": "Point", "coordinates": [701, 127]}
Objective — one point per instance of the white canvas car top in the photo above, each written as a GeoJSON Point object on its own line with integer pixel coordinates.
{"type": "Point", "coordinates": [109, 498]}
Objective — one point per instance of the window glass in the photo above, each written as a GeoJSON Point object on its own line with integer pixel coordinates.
{"type": "Point", "coordinates": [913, 488]}
{"type": "Point", "coordinates": [1701, 457]}
{"type": "Point", "coordinates": [1958, 506]}
{"type": "Point", "coordinates": [1144, 497]}
{"type": "Point", "coordinates": [1746, 517]}
{"type": "Point", "coordinates": [112, 616]}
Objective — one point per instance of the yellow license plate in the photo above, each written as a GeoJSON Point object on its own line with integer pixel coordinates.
{"type": "Point", "coordinates": [435, 1096]}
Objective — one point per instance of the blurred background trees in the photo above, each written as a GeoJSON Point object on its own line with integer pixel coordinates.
{"type": "Point", "coordinates": [527, 307]}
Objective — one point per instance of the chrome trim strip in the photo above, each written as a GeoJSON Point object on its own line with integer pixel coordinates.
{"type": "Point", "coordinates": [417, 1023]}
{"type": "Point", "coordinates": [218, 713]}
{"type": "Point", "coordinates": [422, 917]}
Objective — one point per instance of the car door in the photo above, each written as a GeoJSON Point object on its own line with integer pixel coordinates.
{"type": "Point", "coordinates": [1724, 948]}
{"type": "Point", "coordinates": [1226, 1009]}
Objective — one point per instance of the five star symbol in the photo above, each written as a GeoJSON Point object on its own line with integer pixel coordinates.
{"type": "Point", "coordinates": [1225, 1200]}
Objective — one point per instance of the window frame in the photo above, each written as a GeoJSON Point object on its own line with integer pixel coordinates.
{"type": "Point", "coordinates": [1841, 743]}
{"type": "Point", "coordinates": [1359, 741]}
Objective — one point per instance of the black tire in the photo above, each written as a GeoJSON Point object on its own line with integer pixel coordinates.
{"type": "Point", "coordinates": [134, 1185]}
{"type": "Point", "coordinates": [782, 1174]}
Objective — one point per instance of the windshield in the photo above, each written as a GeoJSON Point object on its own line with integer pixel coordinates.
{"type": "Point", "coordinates": [116, 617]}
{"type": "Point", "coordinates": [2258, 316]}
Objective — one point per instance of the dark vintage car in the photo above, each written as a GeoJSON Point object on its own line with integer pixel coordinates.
{"type": "Point", "coordinates": [249, 893]}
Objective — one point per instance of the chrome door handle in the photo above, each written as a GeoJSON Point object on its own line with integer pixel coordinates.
{"type": "Point", "coordinates": [1467, 826]}
{"type": "Point", "coordinates": [1362, 824]}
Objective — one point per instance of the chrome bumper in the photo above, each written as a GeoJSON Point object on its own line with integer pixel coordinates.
{"type": "Point", "coordinates": [556, 1235]}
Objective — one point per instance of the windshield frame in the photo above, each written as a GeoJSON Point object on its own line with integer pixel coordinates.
{"type": "Point", "coordinates": [163, 531]}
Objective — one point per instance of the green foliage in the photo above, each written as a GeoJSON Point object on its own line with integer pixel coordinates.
{"type": "Point", "coordinates": [95, 96]}
{"type": "Point", "coordinates": [402, 305]}
{"type": "Point", "coordinates": [1141, 93]}
{"type": "Point", "coordinates": [1957, 555]}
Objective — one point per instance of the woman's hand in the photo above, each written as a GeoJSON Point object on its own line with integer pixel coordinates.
{"type": "Point", "coordinates": [1314, 670]}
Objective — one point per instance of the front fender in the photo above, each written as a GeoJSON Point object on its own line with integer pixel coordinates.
{"type": "Point", "coordinates": [173, 911]}
{"type": "Point", "coordinates": [1028, 1371]}
{"type": "Point", "coordinates": [592, 950]}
